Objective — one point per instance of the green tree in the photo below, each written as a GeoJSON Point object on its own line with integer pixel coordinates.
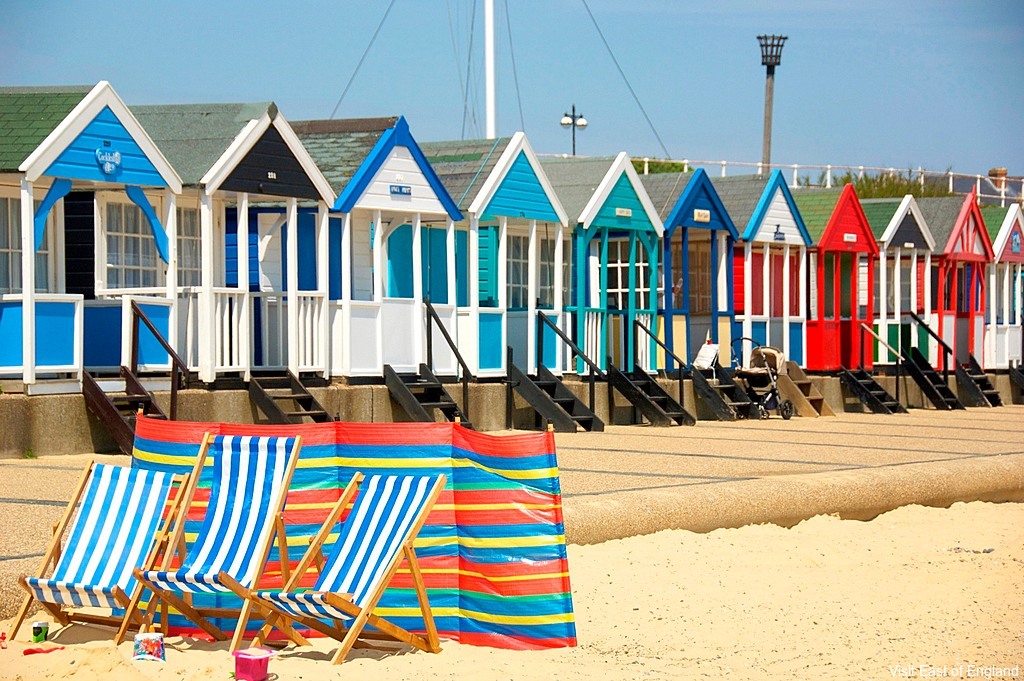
{"type": "Point", "coordinates": [886, 185]}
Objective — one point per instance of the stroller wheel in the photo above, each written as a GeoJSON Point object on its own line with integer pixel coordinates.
{"type": "Point", "coordinates": [786, 410]}
{"type": "Point", "coordinates": [762, 412]}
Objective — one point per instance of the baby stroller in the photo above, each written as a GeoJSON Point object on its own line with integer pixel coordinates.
{"type": "Point", "coordinates": [761, 378]}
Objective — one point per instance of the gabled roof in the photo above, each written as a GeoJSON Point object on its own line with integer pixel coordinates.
{"type": "Point", "coordinates": [206, 142]}
{"type": "Point", "coordinates": [941, 214]}
{"type": "Point", "coordinates": [748, 197]}
{"type": "Point", "coordinates": [816, 208]}
{"type": "Point", "coordinates": [475, 170]}
{"type": "Point", "coordinates": [835, 220]}
{"type": "Point", "coordinates": [1001, 223]}
{"type": "Point", "coordinates": [339, 147]}
{"type": "Point", "coordinates": [40, 124]}
{"type": "Point", "coordinates": [583, 185]}
{"type": "Point", "coordinates": [675, 195]}
{"type": "Point", "coordinates": [464, 165]}
{"type": "Point", "coordinates": [28, 115]}
{"type": "Point", "coordinates": [886, 216]}
{"type": "Point", "coordinates": [947, 216]}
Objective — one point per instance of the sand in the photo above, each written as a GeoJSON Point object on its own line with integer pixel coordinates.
{"type": "Point", "coordinates": [915, 593]}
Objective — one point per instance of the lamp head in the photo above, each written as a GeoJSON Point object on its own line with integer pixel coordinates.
{"type": "Point", "coordinates": [771, 49]}
{"type": "Point", "coordinates": [566, 120]}
{"type": "Point", "coordinates": [581, 122]}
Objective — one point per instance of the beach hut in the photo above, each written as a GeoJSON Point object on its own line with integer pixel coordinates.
{"type": "Point", "coordinates": [1003, 340]}
{"type": "Point", "coordinates": [841, 275]}
{"type": "Point", "coordinates": [87, 221]}
{"type": "Point", "coordinates": [250, 297]}
{"type": "Point", "coordinates": [615, 270]}
{"type": "Point", "coordinates": [963, 250]}
{"type": "Point", "coordinates": [394, 245]}
{"type": "Point", "coordinates": [698, 246]}
{"type": "Point", "coordinates": [902, 281]}
{"type": "Point", "coordinates": [769, 263]}
{"type": "Point", "coordinates": [509, 249]}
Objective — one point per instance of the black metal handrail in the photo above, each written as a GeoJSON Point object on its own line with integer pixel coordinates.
{"type": "Point", "coordinates": [467, 375]}
{"type": "Point", "coordinates": [178, 367]}
{"type": "Point", "coordinates": [864, 327]}
{"type": "Point", "coordinates": [948, 351]}
{"type": "Point", "coordinates": [595, 371]}
{"type": "Point", "coordinates": [640, 326]}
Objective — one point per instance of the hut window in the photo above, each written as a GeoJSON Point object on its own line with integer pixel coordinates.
{"type": "Point", "coordinates": [794, 285]}
{"type": "Point", "coordinates": [189, 269]}
{"type": "Point", "coordinates": [131, 249]}
{"type": "Point", "coordinates": [677, 270]}
{"type": "Point", "coordinates": [757, 263]}
{"type": "Point", "coordinates": [546, 294]}
{"type": "Point", "coordinates": [906, 283]}
{"type": "Point", "coordinates": [10, 249]}
{"type": "Point", "coordinates": [775, 292]}
{"type": "Point", "coordinates": [518, 272]}
{"type": "Point", "coordinates": [829, 293]}
{"type": "Point", "coordinates": [700, 277]}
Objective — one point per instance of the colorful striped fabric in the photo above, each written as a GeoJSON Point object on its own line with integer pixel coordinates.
{"type": "Point", "coordinates": [112, 534]}
{"type": "Point", "coordinates": [248, 474]}
{"type": "Point", "coordinates": [371, 536]}
{"type": "Point", "coordinates": [492, 550]}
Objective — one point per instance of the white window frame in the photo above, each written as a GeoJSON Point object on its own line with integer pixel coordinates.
{"type": "Point", "coordinates": [185, 266]}
{"type": "Point", "coordinates": [518, 294]}
{"type": "Point", "coordinates": [45, 255]}
{"type": "Point", "coordinates": [105, 200]}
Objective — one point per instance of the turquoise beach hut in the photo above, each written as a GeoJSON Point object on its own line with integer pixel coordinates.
{"type": "Point", "coordinates": [510, 253]}
{"type": "Point", "coordinates": [614, 275]}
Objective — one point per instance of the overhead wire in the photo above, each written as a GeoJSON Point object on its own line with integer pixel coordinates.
{"type": "Point", "coordinates": [373, 39]}
{"type": "Point", "coordinates": [515, 73]}
{"type": "Point", "coordinates": [466, 109]}
{"type": "Point", "coordinates": [626, 80]}
{"type": "Point", "coordinates": [455, 50]}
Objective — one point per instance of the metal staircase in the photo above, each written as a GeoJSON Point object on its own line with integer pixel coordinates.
{"type": "Point", "coordinates": [933, 384]}
{"type": "Point", "coordinates": [283, 398]}
{"type": "Point", "coordinates": [869, 392]}
{"type": "Point", "coordinates": [1017, 377]}
{"type": "Point", "coordinates": [718, 391]}
{"type": "Point", "coordinates": [420, 394]}
{"type": "Point", "coordinates": [975, 389]}
{"type": "Point", "coordinates": [551, 400]}
{"type": "Point", "coordinates": [118, 409]}
{"type": "Point", "coordinates": [648, 398]}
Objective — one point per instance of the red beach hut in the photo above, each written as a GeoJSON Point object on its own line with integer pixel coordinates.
{"type": "Point", "coordinates": [842, 278]}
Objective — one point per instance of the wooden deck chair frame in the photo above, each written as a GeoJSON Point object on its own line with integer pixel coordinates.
{"type": "Point", "coordinates": [63, 613]}
{"type": "Point", "coordinates": [183, 604]}
{"type": "Point", "coordinates": [362, 616]}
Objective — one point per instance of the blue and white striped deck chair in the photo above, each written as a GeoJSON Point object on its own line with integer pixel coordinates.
{"type": "Point", "coordinates": [250, 481]}
{"type": "Point", "coordinates": [378, 532]}
{"type": "Point", "coordinates": [117, 520]}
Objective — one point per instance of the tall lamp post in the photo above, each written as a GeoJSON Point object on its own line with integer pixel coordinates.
{"type": "Point", "coordinates": [771, 56]}
{"type": "Point", "coordinates": [574, 121]}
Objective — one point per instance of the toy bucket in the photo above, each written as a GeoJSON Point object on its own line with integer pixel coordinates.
{"type": "Point", "coordinates": [149, 647]}
{"type": "Point", "coordinates": [39, 631]}
{"type": "Point", "coordinates": [251, 664]}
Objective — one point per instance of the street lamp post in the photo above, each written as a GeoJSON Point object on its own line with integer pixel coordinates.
{"type": "Point", "coordinates": [574, 121]}
{"type": "Point", "coordinates": [771, 56]}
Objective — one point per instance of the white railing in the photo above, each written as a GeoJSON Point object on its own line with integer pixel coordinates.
{"type": "Point", "coordinates": [230, 330]}
{"type": "Point", "coordinates": [311, 343]}
{"type": "Point", "coordinates": [643, 351]}
{"type": "Point", "coordinates": [1003, 193]}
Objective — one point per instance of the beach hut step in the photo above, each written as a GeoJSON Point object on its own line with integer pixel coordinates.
{"type": "Point", "coordinates": [648, 398]}
{"type": "Point", "coordinates": [552, 402]}
{"type": "Point", "coordinates": [973, 386]}
{"type": "Point", "coordinates": [873, 396]}
{"type": "Point", "coordinates": [419, 394]}
{"type": "Point", "coordinates": [932, 383]}
{"type": "Point", "coordinates": [265, 392]}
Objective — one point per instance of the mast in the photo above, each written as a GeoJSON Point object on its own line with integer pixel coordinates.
{"type": "Point", "coordinates": [489, 68]}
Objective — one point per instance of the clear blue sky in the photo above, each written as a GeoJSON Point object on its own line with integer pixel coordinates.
{"type": "Point", "coordinates": [872, 82]}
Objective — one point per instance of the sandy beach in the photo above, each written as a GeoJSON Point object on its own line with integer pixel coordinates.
{"type": "Point", "coordinates": [913, 593]}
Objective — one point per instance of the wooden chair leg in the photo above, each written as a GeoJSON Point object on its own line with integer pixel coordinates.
{"type": "Point", "coordinates": [433, 642]}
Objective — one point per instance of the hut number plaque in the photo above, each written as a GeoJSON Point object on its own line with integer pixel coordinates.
{"type": "Point", "coordinates": [400, 190]}
{"type": "Point", "coordinates": [850, 238]}
{"type": "Point", "coordinates": [623, 212]}
{"type": "Point", "coordinates": [701, 215]}
{"type": "Point", "coordinates": [108, 159]}
{"type": "Point", "coordinates": [1015, 242]}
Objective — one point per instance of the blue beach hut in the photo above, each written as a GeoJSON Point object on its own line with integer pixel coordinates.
{"type": "Point", "coordinates": [769, 263]}
{"type": "Point", "coordinates": [393, 246]}
{"type": "Point", "coordinates": [510, 252]}
{"type": "Point", "coordinates": [87, 220]}
{"type": "Point", "coordinates": [698, 247]}
{"type": "Point", "coordinates": [614, 273]}
{"type": "Point", "coordinates": [249, 296]}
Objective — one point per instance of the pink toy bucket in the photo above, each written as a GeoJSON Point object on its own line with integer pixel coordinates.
{"type": "Point", "coordinates": [251, 664]}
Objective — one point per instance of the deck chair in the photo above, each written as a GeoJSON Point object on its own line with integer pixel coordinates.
{"type": "Point", "coordinates": [380, 529]}
{"type": "Point", "coordinates": [117, 520]}
{"type": "Point", "coordinates": [251, 476]}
